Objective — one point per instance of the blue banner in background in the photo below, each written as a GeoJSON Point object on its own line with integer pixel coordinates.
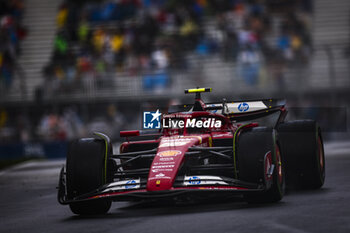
{"type": "Point", "coordinates": [35, 149]}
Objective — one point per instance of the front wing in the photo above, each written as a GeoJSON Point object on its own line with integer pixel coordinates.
{"type": "Point", "coordinates": [132, 190]}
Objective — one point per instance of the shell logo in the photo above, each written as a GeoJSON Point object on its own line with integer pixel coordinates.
{"type": "Point", "coordinates": [169, 153]}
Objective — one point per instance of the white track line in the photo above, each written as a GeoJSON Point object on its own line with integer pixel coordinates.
{"type": "Point", "coordinates": [337, 148]}
{"type": "Point", "coordinates": [40, 165]}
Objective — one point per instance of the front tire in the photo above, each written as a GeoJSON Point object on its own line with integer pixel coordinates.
{"type": "Point", "coordinates": [87, 161]}
{"type": "Point", "coordinates": [258, 149]}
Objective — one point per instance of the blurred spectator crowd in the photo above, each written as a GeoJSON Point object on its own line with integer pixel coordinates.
{"type": "Point", "coordinates": [67, 122]}
{"type": "Point", "coordinates": [97, 40]}
{"type": "Point", "coordinates": [61, 124]}
{"type": "Point", "coordinates": [12, 33]}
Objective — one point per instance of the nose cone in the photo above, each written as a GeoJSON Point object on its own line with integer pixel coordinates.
{"type": "Point", "coordinates": [159, 184]}
{"type": "Point", "coordinates": [169, 157]}
{"type": "Point", "coordinates": [165, 166]}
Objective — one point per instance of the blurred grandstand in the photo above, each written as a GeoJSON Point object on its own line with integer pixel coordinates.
{"type": "Point", "coordinates": [70, 67]}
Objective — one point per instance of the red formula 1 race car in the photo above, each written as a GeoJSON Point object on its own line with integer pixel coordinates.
{"type": "Point", "coordinates": [200, 150]}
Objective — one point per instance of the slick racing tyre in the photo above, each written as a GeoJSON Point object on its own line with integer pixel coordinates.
{"type": "Point", "coordinates": [260, 161]}
{"type": "Point", "coordinates": [87, 165]}
{"type": "Point", "coordinates": [302, 146]}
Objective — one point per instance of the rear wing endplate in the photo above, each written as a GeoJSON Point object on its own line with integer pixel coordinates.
{"type": "Point", "coordinates": [238, 110]}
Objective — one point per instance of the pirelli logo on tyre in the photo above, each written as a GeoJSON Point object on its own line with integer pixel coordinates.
{"type": "Point", "coordinates": [169, 153]}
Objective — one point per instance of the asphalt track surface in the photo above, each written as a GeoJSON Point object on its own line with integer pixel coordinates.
{"type": "Point", "coordinates": [28, 204]}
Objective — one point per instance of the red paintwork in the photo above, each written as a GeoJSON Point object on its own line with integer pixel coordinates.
{"type": "Point", "coordinates": [172, 146]}
{"type": "Point", "coordinates": [201, 103]}
{"type": "Point", "coordinates": [129, 133]}
{"type": "Point", "coordinates": [174, 143]}
{"type": "Point", "coordinates": [225, 131]}
{"type": "Point", "coordinates": [164, 168]}
{"type": "Point", "coordinates": [169, 157]}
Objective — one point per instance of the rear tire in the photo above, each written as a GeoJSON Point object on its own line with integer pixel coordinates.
{"type": "Point", "coordinates": [302, 146]}
{"type": "Point", "coordinates": [86, 171]}
{"type": "Point", "coordinates": [253, 146]}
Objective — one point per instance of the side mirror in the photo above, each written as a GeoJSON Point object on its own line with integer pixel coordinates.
{"type": "Point", "coordinates": [129, 133]}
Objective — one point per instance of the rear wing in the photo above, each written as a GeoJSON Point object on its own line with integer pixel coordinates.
{"type": "Point", "coordinates": [239, 110]}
